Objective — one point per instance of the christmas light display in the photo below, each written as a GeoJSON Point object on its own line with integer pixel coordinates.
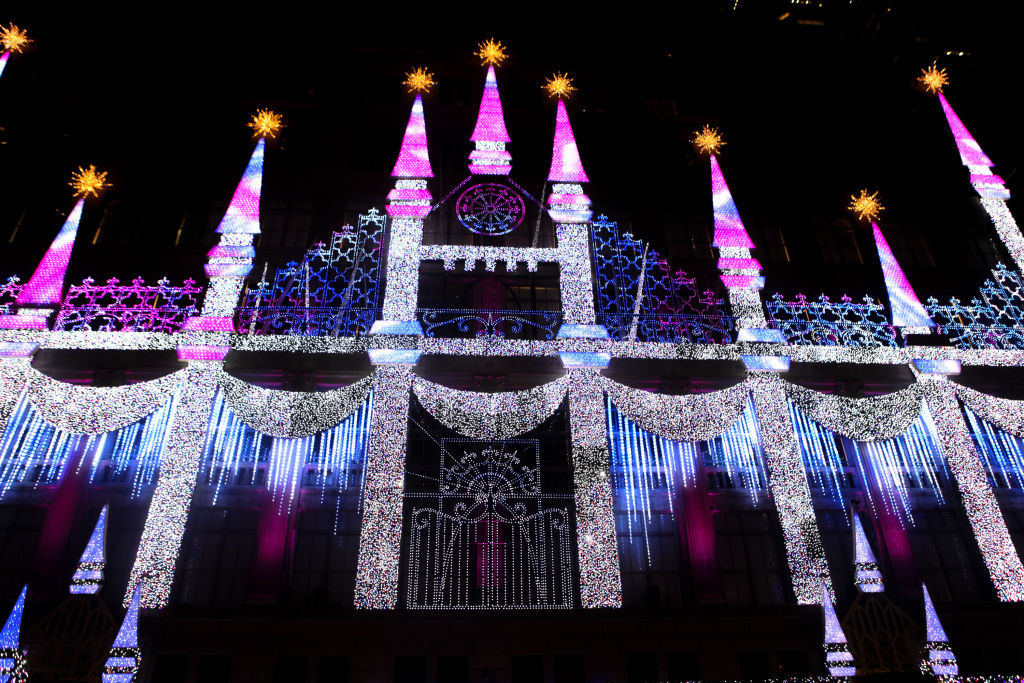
{"type": "Point", "coordinates": [866, 206]}
{"type": "Point", "coordinates": [867, 576]}
{"type": "Point", "coordinates": [88, 576]}
{"type": "Point", "coordinates": [838, 659]}
{"type": "Point", "coordinates": [161, 538]}
{"type": "Point", "coordinates": [413, 157]}
{"type": "Point", "coordinates": [266, 124]}
{"type": "Point", "coordinates": [983, 513]}
{"type": "Point", "coordinates": [862, 419]}
{"type": "Point", "coordinates": [13, 39]}
{"type": "Point", "coordinates": [498, 415]}
{"type": "Point", "coordinates": [559, 85]}
{"type": "Point", "coordinates": [490, 135]}
{"type": "Point", "coordinates": [133, 308]}
{"type": "Point", "coordinates": [380, 537]}
{"type": "Point", "coordinates": [470, 255]}
{"type": "Point", "coordinates": [789, 489]}
{"type": "Point", "coordinates": [490, 209]}
{"type": "Point", "coordinates": [491, 52]}
{"type": "Point", "coordinates": [995, 320]}
{"type": "Point", "coordinates": [442, 322]}
{"type": "Point", "coordinates": [122, 665]}
{"type": "Point", "coordinates": [939, 658]}
{"type": "Point", "coordinates": [600, 581]}
{"type": "Point", "coordinates": [933, 79]}
{"type": "Point", "coordinates": [13, 660]}
{"type": "Point", "coordinates": [45, 287]}
{"type": "Point", "coordinates": [708, 140]}
{"type": "Point", "coordinates": [13, 372]}
{"type": "Point", "coordinates": [1002, 453]}
{"type": "Point", "coordinates": [907, 311]}
{"type": "Point", "coordinates": [291, 413]}
{"type": "Point", "coordinates": [88, 182]}
{"type": "Point", "coordinates": [419, 80]}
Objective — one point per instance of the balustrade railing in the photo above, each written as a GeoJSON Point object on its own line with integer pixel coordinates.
{"type": "Point", "coordinates": [471, 323]}
{"type": "Point", "coordinates": [136, 307]}
{"type": "Point", "coordinates": [671, 328]}
{"type": "Point", "coordinates": [314, 321]}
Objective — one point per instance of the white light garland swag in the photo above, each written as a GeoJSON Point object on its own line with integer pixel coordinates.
{"type": "Point", "coordinates": [498, 415]}
{"type": "Point", "coordinates": [1005, 413]}
{"type": "Point", "coordinates": [862, 419]}
{"type": "Point", "coordinates": [694, 417]}
{"type": "Point", "coordinates": [12, 380]}
{"type": "Point", "coordinates": [291, 414]}
{"type": "Point", "coordinates": [97, 410]}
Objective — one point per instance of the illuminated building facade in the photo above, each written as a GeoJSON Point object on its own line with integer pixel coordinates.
{"type": "Point", "coordinates": [521, 447]}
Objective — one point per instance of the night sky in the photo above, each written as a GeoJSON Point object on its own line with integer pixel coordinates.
{"type": "Point", "coordinates": [811, 113]}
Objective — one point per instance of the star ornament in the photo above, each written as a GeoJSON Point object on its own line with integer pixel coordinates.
{"type": "Point", "coordinates": [266, 123]}
{"type": "Point", "coordinates": [491, 51]}
{"type": "Point", "coordinates": [866, 206]}
{"type": "Point", "coordinates": [933, 79]}
{"type": "Point", "coordinates": [559, 85]}
{"type": "Point", "coordinates": [708, 140]}
{"type": "Point", "coordinates": [13, 38]}
{"type": "Point", "coordinates": [88, 181]}
{"type": "Point", "coordinates": [419, 80]}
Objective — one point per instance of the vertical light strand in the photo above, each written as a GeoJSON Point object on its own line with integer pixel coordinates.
{"type": "Point", "coordinates": [160, 544]}
{"type": "Point", "coordinates": [381, 533]}
{"type": "Point", "coordinates": [1001, 452]}
{"type": "Point", "coordinates": [600, 575]}
{"type": "Point", "coordinates": [788, 485]}
{"type": "Point", "coordinates": [983, 513]}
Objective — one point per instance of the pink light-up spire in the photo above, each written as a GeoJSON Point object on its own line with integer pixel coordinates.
{"type": "Point", "coordinates": [868, 578]}
{"type": "Point", "coordinates": [907, 311]}
{"type": "Point", "coordinates": [243, 214]}
{"type": "Point", "coordinates": [729, 230]}
{"type": "Point", "coordinates": [970, 151]}
{"type": "Point", "coordinates": [490, 135]}
{"type": "Point", "coordinates": [3, 61]}
{"type": "Point", "coordinates": [940, 659]}
{"type": "Point", "coordinates": [414, 159]}
{"type": "Point", "coordinates": [566, 166]}
{"type": "Point", "coordinates": [46, 286]}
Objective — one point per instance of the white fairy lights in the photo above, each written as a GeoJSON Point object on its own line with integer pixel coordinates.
{"type": "Point", "coordinates": [600, 582]}
{"type": "Point", "coordinates": [861, 419]}
{"type": "Point", "coordinates": [987, 522]}
{"type": "Point", "coordinates": [498, 415]}
{"type": "Point", "coordinates": [380, 537]}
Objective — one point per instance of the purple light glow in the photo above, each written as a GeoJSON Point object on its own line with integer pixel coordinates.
{"type": "Point", "coordinates": [243, 214]}
{"type": "Point", "coordinates": [490, 121]}
{"type": "Point", "coordinates": [3, 61]}
{"type": "Point", "coordinates": [88, 576]}
{"type": "Point", "coordinates": [210, 324]}
{"type": "Point", "coordinates": [202, 352]}
{"type": "Point", "coordinates": [729, 230]}
{"type": "Point", "coordinates": [744, 281]}
{"type": "Point", "coordinates": [414, 159]}
{"type": "Point", "coordinates": [838, 659]}
{"type": "Point", "coordinates": [868, 578]}
{"type": "Point", "coordinates": [971, 153]}
{"type": "Point", "coordinates": [22, 322]}
{"type": "Point", "coordinates": [940, 660]}
{"type": "Point", "coordinates": [47, 283]}
{"type": "Point", "coordinates": [738, 264]}
{"type": "Point", "coordinates": [566, 166]}
{"type": "Point", "coordinates": [907, 310]}
{"type": "Point", "coordinates": [11, 633]}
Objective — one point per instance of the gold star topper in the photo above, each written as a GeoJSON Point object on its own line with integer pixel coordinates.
{"type": "Point", "coordinates": [491, 51]}
{"type": "Point", "coordinates": [88, 181]}
{"type": "Point", "coordinates": [933, 78]}
{"type": "Point", "coordinates": [559, 85]}
{"type": "Point", "coordinates": [708, 140]}
{"type": "Point", "coordinates": [13, 38]}
{"type": "Point", "coordinates": [419, 80]}
{"type": "Point", "coordinates": [866, 206]}
{"type": "Point", "coordinates": [266, 123]}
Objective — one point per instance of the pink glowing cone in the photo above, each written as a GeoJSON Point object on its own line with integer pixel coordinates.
{"type": "Point", "coordinates": [907, 310]}
{"type": "Point", "coordinates": [490, 121]}
{"type": "Point", "coordinates": [243, 214]}
{"type": "Point", "coordinates": [970, 151]}
{"type": "Point", "coordinates": [729, 230]}
{"type": "Point", "coordinates": [46, 286]}
{"type": "Point", "coordinates": [414, 159]}
{"type": "Point", "coordinates": [3, 61]}
{"type": "Point", "coordinates": [566, 166]}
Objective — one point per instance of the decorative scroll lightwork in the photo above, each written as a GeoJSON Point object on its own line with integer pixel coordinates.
{"type": "Point", "coordinates": [832, 323]}
{"type": "Point", "coordinates": [986, 519]}
{"type": "Point", "coordinates": [165, 525]}
{"type": "Point", "coordinates": [600, 578]}
{"type": "Point", "coordinates": [696, 417]}
{"type": "Point", "coordinates": [379, 547]}
{"type": "Point", "coordinates": [496, 416]}
{"type": "Point", "coordinates": [13, 660]}
{"type": "Point", "coordinates": [97, 410]}
{"type": "Point", "coordinates": [291, 414]}
{"type": "Point", "coordinates": [995, 320]}
{"type": "Point", "coordinates": [88, 576]}
{"type": "Point", "coordinates": [788, 485]}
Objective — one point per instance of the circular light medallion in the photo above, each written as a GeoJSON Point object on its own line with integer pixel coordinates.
{"type": "Point", "coordinates": [490, 209]}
